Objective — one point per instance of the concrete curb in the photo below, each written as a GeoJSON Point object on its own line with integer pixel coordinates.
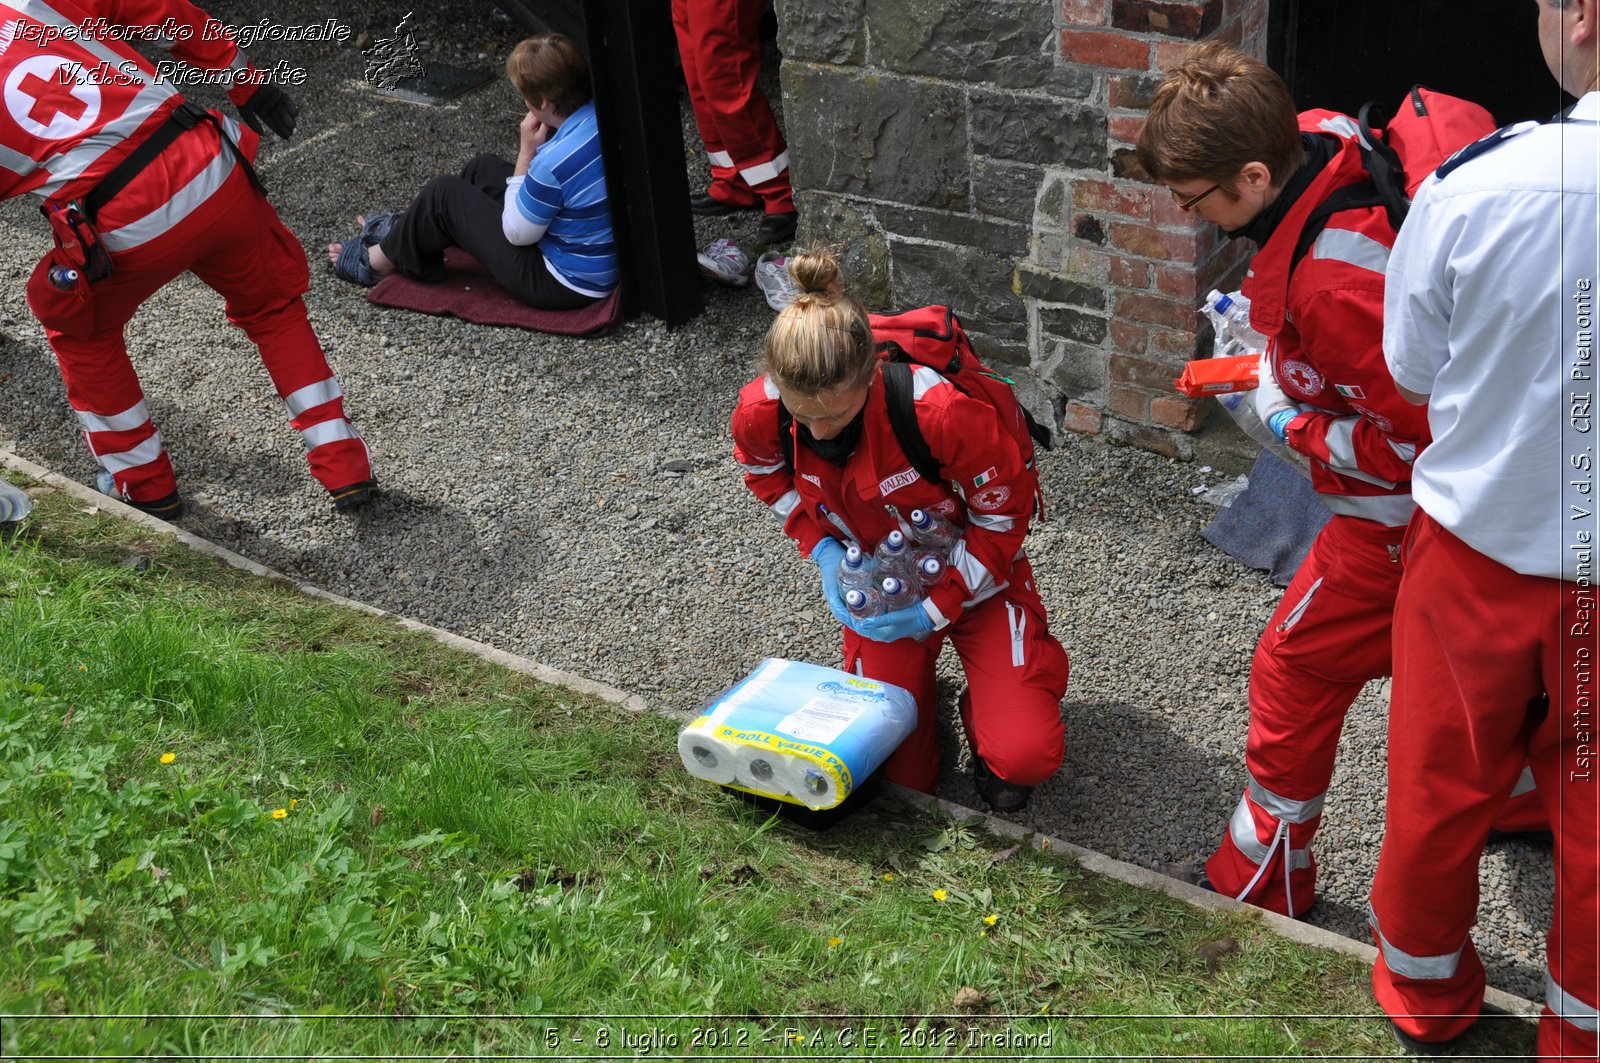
{"type": "Point", "coordinates": [1099, 863]}
{"type": "Point", "coordinates": [543, 673]}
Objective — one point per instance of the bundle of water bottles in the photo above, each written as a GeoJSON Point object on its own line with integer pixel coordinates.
{"type": "Point", "coordinates": [900, 571]}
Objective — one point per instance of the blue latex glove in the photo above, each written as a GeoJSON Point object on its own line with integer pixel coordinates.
{"type": "Point", "coordinates": [908, 623]}
{"type": "Point", "coordinates": [827, 554]}
{"type": "Point", "coordinates": [1280, 423]}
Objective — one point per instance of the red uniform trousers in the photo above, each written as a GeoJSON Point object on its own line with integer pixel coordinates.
{"type": "Point", "coordinates": [1328, 637]}
{"type": "Point", "coordinates": [1474, 644]}
{"type": "Point", "coordinates": [1016, 676]}
{"type": "Point", "coordinates": [235, 243]}
{"type": "Point", "coordinates": [720, 44]}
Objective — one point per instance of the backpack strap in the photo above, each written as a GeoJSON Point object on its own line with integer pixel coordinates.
{"type": "Point", "coordinates": [1350, 197]}
{"type": "Point", "coordinates": [899, 395]}
{"type": "Point", "coordinates": [786, 435]}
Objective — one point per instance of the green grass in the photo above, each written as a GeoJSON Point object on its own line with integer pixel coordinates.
{"type": "Point", "coordinates": [469, 862]}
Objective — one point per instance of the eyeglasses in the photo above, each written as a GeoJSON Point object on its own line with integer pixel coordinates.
{"type": "Point", "coordinates": [1188, 204]}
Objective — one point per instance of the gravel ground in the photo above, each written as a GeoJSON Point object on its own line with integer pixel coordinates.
{"type": "Point", "coordinates": [575, 501]}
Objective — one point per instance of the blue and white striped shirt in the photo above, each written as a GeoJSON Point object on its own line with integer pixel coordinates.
{"type": "Point", "coordinates": [562, 201]}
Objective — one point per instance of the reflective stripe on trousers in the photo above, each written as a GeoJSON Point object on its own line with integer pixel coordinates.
{"type": "Point", "coordinates": [1572, 1010]}
{"type": "Point", "coordinates": [1284, 810]}
{"type": "Point", "coordinates": [1417, 968]}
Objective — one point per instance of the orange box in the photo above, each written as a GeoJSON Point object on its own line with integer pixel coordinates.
{"type": "Point", "coordinates": [1219, 376]}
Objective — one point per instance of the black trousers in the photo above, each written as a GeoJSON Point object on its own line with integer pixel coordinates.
{"type": "Point", "coordinates": [464, 212]}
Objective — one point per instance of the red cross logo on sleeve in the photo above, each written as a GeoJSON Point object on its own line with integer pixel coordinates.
{"type": "Point", "coordinates": [51, 98]}
{"type": "Point", "coordinates": [1299, 377]}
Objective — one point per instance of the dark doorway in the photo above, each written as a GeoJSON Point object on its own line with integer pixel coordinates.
{"type": "Point", "coordinates": [641, 136]}
{"type": "Point", "coordinates": [1340, 53]}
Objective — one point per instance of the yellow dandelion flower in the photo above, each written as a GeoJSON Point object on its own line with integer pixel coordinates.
{"type": "Point", "coordinates": [292, 802]}
{"type": "Point", "coordinates": [1044, 1009]}
{"type": "Point", "coordinates": [834, 943]}
{"type": "Point", "coordinates": [991, 919]}
{"type": "Point", "coordinates": [279, 813]}
{"type": "Point", "coordinates": [83, 668]}
{"type": "Point", "coordinates": [983, 933]}
{"type": "Point", "coordinates": [168, 758]}
{"type": "Point", "coordinates": [888, 876]}
{"type": "Point", "coordinates": [940, 895]}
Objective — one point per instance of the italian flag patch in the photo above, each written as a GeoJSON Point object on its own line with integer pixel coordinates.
{"type": "Point", "coordinates": [1350, 391]}
{"type": "Point", "coordinates": [984, 477]}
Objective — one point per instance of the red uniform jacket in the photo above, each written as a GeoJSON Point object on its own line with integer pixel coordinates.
{"type": "Point", "coordinates": [1326, 326]}
{"type": "Point", "coordinates": [78, 98]}
{"type": "Point", "coordinates": [987, 488]}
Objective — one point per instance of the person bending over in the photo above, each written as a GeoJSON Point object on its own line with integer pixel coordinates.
{"type": "Point", "coordinates": [835, 470]}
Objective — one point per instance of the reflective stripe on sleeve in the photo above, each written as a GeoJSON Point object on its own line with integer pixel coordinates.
{"type": "Point", "coordinates": [1341, 441]}
{"type": "Point", "coordinates": [924, 380]}
{"type": "Point", "coordinates": [762, 470]}
{"type": "Point", "coordinates": [1351, 248]}
{"type": "Point", "coordinates": [1572, 1010]}
{"type": "Point", "coordinates": [143, 454]}
{"type": "Point", "coordinates": [786, 505]}
{"type": "Point", "coordinates": [313, 395]}
{"type": "Point", "coordinates": [994, 522]}
{"type": "Point", "coordinates": [977, 578]}
{"type": "Point", "coordinates": [720, 158]}
{"type": "Point", "coordinates": [1392, 511]}
{"type": "Point", "coordinates": [1420, 968]}
{"type": "Point", "coordinates": [1406, 452]}
{"type": "Point", "coordinates": [1343, 125]}
{"type": "Point", "coordinates": [763, 172]}
{"type": "Point", "coordinates": [328, 432]}
{"type": "Point", "coordinates": [126, 421]}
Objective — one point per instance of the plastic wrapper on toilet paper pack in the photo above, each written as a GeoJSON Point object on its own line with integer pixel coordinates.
{"type": "Point", "coordinates": [797, 732]}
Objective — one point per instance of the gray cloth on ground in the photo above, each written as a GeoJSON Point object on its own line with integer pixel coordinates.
{"type": "Point", "coordinates": [1271, 524]}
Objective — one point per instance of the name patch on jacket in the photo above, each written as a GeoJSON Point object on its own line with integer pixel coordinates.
{"type": "Point", "coordinates": [900, 479]}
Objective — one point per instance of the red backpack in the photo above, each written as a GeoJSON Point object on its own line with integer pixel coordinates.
{"type": "Point", "coordinates": [933, 337]}
{"type": "Point", "coordinates": [1427, 129]}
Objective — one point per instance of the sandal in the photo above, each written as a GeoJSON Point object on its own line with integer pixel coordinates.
{"type": "Point", "coordinates": [378, 227]}
{"type": "Point", "coordinates": [353, 264]}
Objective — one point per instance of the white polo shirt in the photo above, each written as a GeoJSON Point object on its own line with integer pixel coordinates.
{"type": "Point", "coordinates": [1490, 309]}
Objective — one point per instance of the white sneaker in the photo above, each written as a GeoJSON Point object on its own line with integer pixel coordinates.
{"type": "Point", "coordinates": [772, 277]}
{"type": "Point", "coordinates": [722, 260]}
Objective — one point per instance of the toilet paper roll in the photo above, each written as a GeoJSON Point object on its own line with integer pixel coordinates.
{"type": "Point", "coordinates": [764, 770]}
{"type": "Point", "coordinates": [813, 787]}
{"type": "Point", "coordinates": [706, 756]}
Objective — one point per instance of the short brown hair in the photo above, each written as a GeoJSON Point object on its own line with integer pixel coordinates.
{"type": "Point", "coordinates": [822, 340]}
{"type": "Point", "coordinates": [550, 67]}
{"type": "Point", "coordinates": [1217, 110]}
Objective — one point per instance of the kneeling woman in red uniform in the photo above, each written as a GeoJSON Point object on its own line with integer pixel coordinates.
{"type": "Point", "coordinates": [848, 480]}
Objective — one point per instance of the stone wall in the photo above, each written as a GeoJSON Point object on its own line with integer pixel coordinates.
{"type": "Point", "coordinates": [979, 153]}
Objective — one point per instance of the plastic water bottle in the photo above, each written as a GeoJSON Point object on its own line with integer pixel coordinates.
{"type": "Point", "coordinates": [855, 569]}
{"type": "Point", "coordinates": [892, 558]}
{"type": "Point", "coordinates": [930, 568]}
{"type": "Point", "coordinates": [862, 603]}
{"type": "Point", "coordinates": [14, 502]}
{"type": "Point", "coordinates": [62, 278]}
{"type": "Point", "coordinates": [1230, 321]}
{"type": "Point", "coordinates": [895, 593]}
{"type": "Point", "coordinates": [931, 530]}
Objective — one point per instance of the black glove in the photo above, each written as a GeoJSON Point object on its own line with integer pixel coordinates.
{"type": "Point", "coordinates": [273, 106]}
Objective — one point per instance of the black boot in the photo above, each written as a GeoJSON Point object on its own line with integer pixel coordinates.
{"type": "Point", "coordinates": [1001, 795]}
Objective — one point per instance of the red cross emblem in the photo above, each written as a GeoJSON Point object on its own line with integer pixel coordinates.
{"type": "Point", "coordinates": [52, 98]}
{"type": "Point", "coordinates": [1300, 377]}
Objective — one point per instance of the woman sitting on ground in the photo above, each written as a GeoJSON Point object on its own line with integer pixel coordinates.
{"type": "Point", "coordinates": [541, 226]}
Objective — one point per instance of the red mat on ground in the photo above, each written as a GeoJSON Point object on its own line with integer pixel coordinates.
{"type": "Point", "coordinates": [468, 292]}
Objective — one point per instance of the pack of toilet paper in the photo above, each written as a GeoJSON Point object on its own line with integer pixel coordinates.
{"type": "Point", "coordinates": [797, 732]}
